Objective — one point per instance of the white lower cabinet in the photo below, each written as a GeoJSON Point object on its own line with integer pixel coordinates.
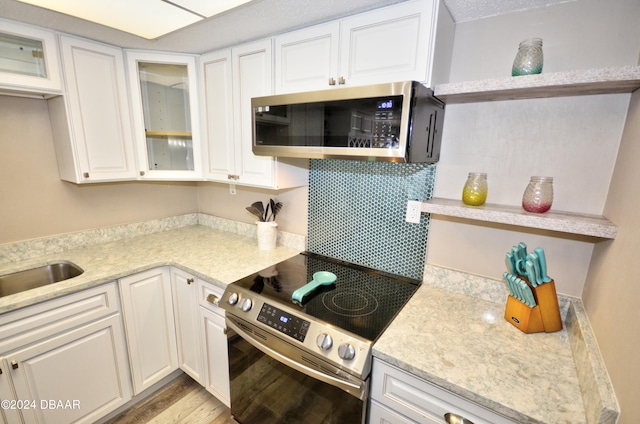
{"type": "Point", "coordinates": [214, 338]}
{"type": "Point", "coordinates": [185, 309]}
{"type": "Point", "coordinates": [171, 324]}
{"type": "Point", "coordinates": [75, 376]}
{"type": "Point", "coordinates": [380, 414]}
{"type": "Point", "coordinates": [64, 360]}
{"type": "Point", "coordinates": [150, 326]}
{"type": "Point", "coordinates": [398, 397]}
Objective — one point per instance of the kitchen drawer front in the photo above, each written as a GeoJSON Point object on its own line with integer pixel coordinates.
{"type": "Point", "coordinates": [421, 401]}
{"type": "Point", "coordinates": [379, 414]}
{"type": "Point", "coordinates": [36, 322]}
{"type": "Point", "coordinates": [209, 295]}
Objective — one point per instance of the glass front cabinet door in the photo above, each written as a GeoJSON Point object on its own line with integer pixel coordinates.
{"type": "Point", "coordinates": [28, 59]}
{"type": "Point", "coordinates": [165, 112]}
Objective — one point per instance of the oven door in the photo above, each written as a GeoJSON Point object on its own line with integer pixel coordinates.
{"type": "Point", "coordinates": [273, 381]}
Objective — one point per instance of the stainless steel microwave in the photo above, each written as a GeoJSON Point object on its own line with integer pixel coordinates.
{"type": "Point", "coordinates": [395, 122]}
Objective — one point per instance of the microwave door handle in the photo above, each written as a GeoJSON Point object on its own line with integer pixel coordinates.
{"type": "Point", "coordinates": [336, 382]}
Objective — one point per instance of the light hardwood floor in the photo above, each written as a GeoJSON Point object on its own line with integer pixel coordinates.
{"type": "Point", "coordinates": [182, 401]}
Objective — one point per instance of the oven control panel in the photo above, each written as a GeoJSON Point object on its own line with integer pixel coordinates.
{"type": "Point", "coordinates": [331, 344]}
{"type": "Point", "coordinates": [284, 322]}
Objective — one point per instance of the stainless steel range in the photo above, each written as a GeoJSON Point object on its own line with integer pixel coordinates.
{"type": "Point", "coordinates": [302, 336]}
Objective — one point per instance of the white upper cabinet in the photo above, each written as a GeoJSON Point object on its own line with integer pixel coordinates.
{"type": "Point", "coordinates": [91, 123]}
{"type": "Point", "coordinates": [230, 79]}
{"type": "Point", "coordinates": [394, 43]}
{"type": "Point", "coordinates": [217, 116]}
{"type": "Point", "coordinates": [28, 60]}
{"type": "Point", "coordinates": [164, 95]}
{"type": "Point", "coordinates": [307, 59]}
{"type": "Point", "coordinates": [389, 44]}
{"type": "Point", "coordinates": [251, 67]}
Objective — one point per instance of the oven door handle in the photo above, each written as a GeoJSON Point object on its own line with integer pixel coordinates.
{"type": "Point", "coordinates": [358, 390]}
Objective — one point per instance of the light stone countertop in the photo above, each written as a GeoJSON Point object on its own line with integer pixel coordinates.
{"type": "Point", "coordinates": [443, 335]}
{"type": "Point", "coordinates": [217, 256]}
{"type": "Point", "coordinates": [452, 333]}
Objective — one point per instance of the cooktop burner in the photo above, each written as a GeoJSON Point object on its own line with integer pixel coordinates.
{"type": "Point", "coordinates": [361, 301]}
{"type": "Point", "coordinates": [350, 303]}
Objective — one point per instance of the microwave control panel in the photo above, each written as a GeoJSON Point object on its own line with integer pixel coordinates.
{"type": "Point", "coordinates": [380, 128]}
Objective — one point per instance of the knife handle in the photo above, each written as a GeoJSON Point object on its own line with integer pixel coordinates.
{"type": "Point", "coordinates": [542, 261]}
{"type": "Point", "coordinates": [518, 260]}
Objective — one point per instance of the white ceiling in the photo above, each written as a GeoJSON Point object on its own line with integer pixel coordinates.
{"type": "Point", "coordinates": [260, 18]}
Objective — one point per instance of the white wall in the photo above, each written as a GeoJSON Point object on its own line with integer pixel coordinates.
{"type": "Point", "coordinates": [580, 34]}
{"type": "Point", "coordinates": [215, 199]}
{"type": "Point", "coordinates": [573, 139]}
{"type": "Point", "coordinates": [34, 202]}
{"type": "Point", "coordinates": [611, 290]}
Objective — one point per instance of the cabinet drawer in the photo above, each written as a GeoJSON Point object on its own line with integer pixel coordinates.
{"type": "Point", "coordinates": [209, 295]}
{"type": "Point", "coordinates": [33, 323]}
{"type": "Point", "coordinates": [379, 414]}
{"type": "Point", "coordinates": [421, 401]}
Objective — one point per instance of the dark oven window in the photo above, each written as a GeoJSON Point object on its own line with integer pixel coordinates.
{"type": "Point", "coordinates": [264, 391]}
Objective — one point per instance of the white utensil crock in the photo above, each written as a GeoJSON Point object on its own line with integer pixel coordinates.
{"type": "Point", "coordinates": [267, 235]}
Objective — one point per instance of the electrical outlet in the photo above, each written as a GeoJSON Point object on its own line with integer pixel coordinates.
{"type": "Point", "coordinates": [232, 189]}
{"type": "Point", "coordinates": [413, 211]}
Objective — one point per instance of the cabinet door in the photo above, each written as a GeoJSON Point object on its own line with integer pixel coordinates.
{"type": "Point", "coordinates": [7, 415]}
{"type": "Point", "coordinates": [150, 326]}
{"type": "Point", "coordinates": [185, 308]}
{"type": "Point", "coordinates": [307, 60]}
{"type": "Point", "coordinates": [78, 376]}
{"type": "Point", "coordinates": [215, 354]}
{"type": "Point", "coordinates": [217, 116]}
{"type": "Point", "coordinates": [229, 79]}
{"type": "Point", "coordinates": [28, 59]}
{"type": "Point", "coordinates": [164, 92]}
{"type": "Point", "coordinates": [251, 78]}
{"type": "Point", "coordinates": [388, 44]}
{"type": "Point", "coordinates": [100, 139]}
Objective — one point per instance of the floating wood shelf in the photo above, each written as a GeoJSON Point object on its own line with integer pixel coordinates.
{"type": "Point", "coordinates": [167, 134]}
{"type": "Point", "coordinates": [565, 222]}
{"type": "Point", "coordinates": [557, 84]}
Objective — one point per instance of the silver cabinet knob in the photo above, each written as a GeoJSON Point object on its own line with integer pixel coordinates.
{"type": "Point", "coordinates": [332, 81]}
{"type": "Point", "coordinates": [233, 298]}
{"type": "Point", "coordinates": [213, 299]}
{"type": "Point", "coordinates": [346, 351]}
{"type": "Point", "coordinates": [246, 305]}
{"type": "Point", "coordinates": [324, 341]}
{"type": "Point", "coordinates": [14, 365]}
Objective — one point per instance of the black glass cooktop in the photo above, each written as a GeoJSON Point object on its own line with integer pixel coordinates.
{"type": "Point", "coordinates": [362, 301]}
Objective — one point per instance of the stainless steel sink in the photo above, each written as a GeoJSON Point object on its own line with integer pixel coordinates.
{"type": "Point", "coordinates": [37, 277]}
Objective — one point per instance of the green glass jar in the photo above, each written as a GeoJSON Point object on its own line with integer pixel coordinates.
{"type": "Point", "coordinates": [529, 59]}
{"type": "Point", "coordinates": [475, 189]}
